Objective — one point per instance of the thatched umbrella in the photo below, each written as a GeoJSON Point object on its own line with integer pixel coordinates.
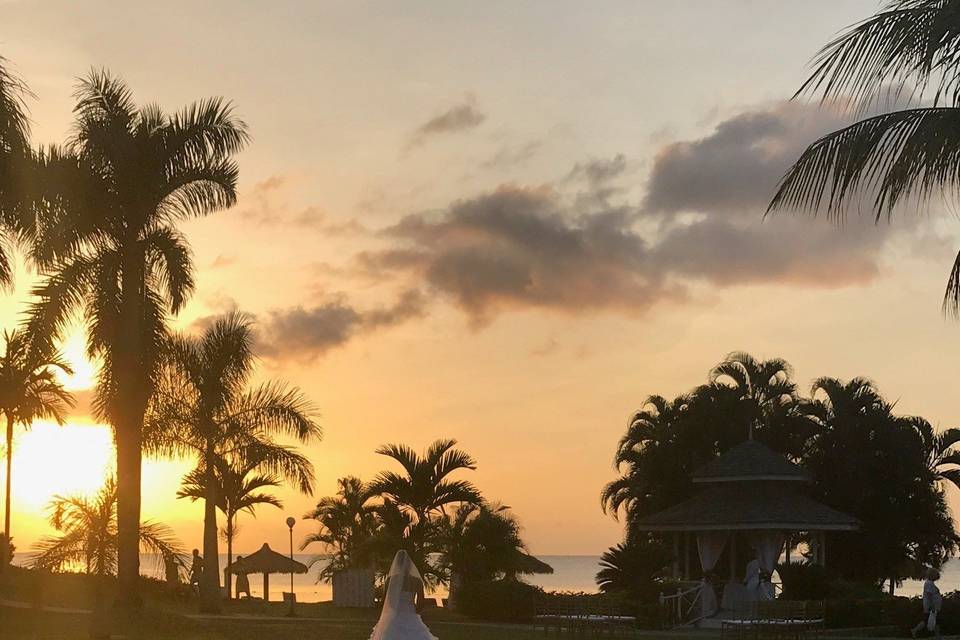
{"type": "Point", "coordinates": [530, 565]}
{"type": "Point", "coordinates": [266, 561]}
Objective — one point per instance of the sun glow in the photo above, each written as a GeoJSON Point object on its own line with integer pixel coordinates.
{"type": "Point", "coordinates": [49, 460]}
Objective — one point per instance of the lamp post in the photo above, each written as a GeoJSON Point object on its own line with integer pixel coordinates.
{"type": "Point", "coordinates": [290, 522]}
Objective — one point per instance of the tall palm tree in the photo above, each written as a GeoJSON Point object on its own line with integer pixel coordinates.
{"type": "Point", "coordinates": [908, 51]}
{"type": "Point", "coordinates": [422, 491]}
{"type": "Point", "coordinates": [88, 535]}
{"type": "Point", "coordinates": [645, 447]}
{"type": "Point", "coordinates": [204, 408]}
{"type": "Point", "coordinates": [14, 157]}
{"type": "Point", "coordinates": [424, 488]}
{"type": "Point", "coordinates": [239, 487]}
{"type": "Point", "coordinates": [941, 449]}
{"type": "Point", "coordinates": [29, 390]}
{"type": "Point", "coordinates": [106, 239]}
{"type": "Point", "coordinates": [347, 522]}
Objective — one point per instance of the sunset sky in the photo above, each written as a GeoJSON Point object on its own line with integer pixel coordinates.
{"type": "Point", "coordinates": [503, 222]}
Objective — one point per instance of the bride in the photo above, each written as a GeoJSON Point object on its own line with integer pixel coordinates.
{"type": "Point", "coordinates": [399, 619]}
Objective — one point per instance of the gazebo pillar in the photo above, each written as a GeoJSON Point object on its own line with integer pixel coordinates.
{"type": "Point", "coordinates": [787, 543]}
{"type": "Point", "coordinates": [266, 587]}
{"type": "Point", "coordinates": [733, 555]}
{"type": "Point", "coordinates": [686, 556]}
{"type": "Point", "coordinates": [676, 556]}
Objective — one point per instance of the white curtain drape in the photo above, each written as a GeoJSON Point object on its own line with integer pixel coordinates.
{"type": "Point", "coordinates": [768, 546]}
{"type": "Point", "coordinates": [710, 545]}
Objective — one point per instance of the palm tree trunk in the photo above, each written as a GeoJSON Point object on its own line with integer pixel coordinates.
{"type": "Point", "coordinates": [228, 580]}
{"type": "Point", "coordinates": [132, 395]}
{"type": "Point", "coordinates": [4, 560]}
{"type": "Point", "coordinates": [210, 580]}
{"type": "Point", "coordinates": [129, 441]}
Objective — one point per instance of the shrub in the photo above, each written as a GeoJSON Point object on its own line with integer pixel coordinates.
{"type": "Point", "coordinates": [507, 600]}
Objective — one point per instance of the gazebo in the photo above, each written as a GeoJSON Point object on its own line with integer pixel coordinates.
{"type": "Point", "coordinates": [266, 561]}
{"type": "Point", "coordinates": [751, 506]}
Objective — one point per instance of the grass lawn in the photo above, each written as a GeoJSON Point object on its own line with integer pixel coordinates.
{"type": "Point", "coordinates": [158, 624]}
{"type": "Point", "coordinates": [168, 618]}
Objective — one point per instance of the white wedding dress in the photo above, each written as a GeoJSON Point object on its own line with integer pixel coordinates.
{"type": "Point", "coordinates": [399, 619]}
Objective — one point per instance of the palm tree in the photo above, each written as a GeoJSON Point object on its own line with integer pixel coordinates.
{"type": "Point", "coordinates": [482, 543]}
{"type": "Point", "coordinates": [347, 523]}
{"type": "Point", "coordinates": [204, 408]}
{"type": "Point", "coordinates": [110, 252]}
{"type": "Point", "coordinates": [88, 535]}
{"type": "Point", "coordinates": [633, 567]}
{"type": "Point", "coordinates": [911, 50]}
{"type": "Point", "coordinates": [14, 146]}
{"type": "Point", "coordinates": [647, 446]}
{"type": "Point", "coordinates": [421, 492]}
{"type": "Point", "coordinates": [239, 487]}
{"type": "Point", "coordinates": [29, 390]}
{"type": "Point", "coordinates": [942, 453]}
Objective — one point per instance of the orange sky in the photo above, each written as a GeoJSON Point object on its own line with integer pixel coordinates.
{"type": "Point", "coordinates": [505, 223]}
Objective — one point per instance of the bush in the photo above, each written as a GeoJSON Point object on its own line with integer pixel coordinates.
{"type": "Point", "coordinates": [498, 600]}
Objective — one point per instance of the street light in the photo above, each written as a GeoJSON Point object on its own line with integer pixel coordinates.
{"type": "Point", "coordinates": [290, 522]}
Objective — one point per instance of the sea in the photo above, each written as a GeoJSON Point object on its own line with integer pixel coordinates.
{"type": "Point", "coordinates": [570, 573]}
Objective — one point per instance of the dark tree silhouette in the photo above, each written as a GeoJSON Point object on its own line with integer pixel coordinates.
{"type": "Point", "coordinates": [29, 390]}
{"type": "Point", "coordinates": [205, 407]}
{"type": "Point", "coordinates": [106, 211]}
{"type": "Point", "coordinates": [909, 52]}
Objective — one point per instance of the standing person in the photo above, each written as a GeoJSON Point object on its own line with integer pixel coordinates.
{"type": "Point", "coordinates": [399, 619]}
{"type": "Point", "coordinates": [932, 602]}
{"type": "Point", "coordinates": [196, 569]}
{"type": "Point", "coordinates": [243, 582]}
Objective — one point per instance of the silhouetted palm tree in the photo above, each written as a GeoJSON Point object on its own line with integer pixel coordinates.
{"type": "Point", "coordinates": [347, 522]}
{"type": "Point", "coordinates": [942, 452]}
{"type": "Point", "coordinates": [652, 430]}
{"type": "Point", "coordinates": [910, 50]}
{"type": "Point", "coordinates": [424, 487]}
{"type": "Point", "coordinates": [239, 487]}
{"type": "Point", "coordinates": [110, 252]}
{"type": "Point", "coordinates": [633, 567]}
{"type": "Point", "coordinates": [88, 535]}
{"type": "Point", "coordinates": [204, 408]}
{"type": "Point", "coordinates": [29, 390]}
{"type": "Point", "coordinates": [419, 494]}
{"type": "Point", "coordinates": [14, 156]}
{"type": "Point", "coordinates": [482, 542]}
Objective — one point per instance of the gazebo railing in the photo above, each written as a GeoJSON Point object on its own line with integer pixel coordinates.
{"type": "Point", "coordinates": [681, 606]}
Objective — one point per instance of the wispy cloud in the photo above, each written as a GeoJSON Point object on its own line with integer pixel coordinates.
{"type": "Point", "coordinates": [305, 333]}
{"type": "Point", "coordinates": [458, 118]}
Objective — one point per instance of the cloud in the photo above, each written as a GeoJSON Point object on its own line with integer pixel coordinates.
{"type": "Point", "coordinates": [735, 169]}
{"type": "Point", "coordinates": [266, 204]}
{"type": "Point", "coordinates": [519, 247]}
{"type": "Point", "coordinates": [578, 247]}
{"type": "Point", "coordinates": [302, 334]}
{"type": "Point", "coordinates": [456, 119]}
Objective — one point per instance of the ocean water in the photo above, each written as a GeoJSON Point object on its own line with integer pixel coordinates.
{"type": "Point", "coordinates": [570, 573]}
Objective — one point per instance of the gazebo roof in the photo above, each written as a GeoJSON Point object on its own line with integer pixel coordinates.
{"type": "Point", "coordinates": [266, 560]}
{"type": "Point", "coordinates": [731, 508]}
{"type": "Point", "coordinates": [749, 461]}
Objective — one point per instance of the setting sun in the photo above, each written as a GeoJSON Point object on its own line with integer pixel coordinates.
{"type": "Point", "coordinates": [49, 460]}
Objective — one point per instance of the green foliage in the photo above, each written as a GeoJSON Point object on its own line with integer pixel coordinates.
{"type": "Point", "coordinates": [481, 543]}
{"type": "Point", "coordinates": [506, 600]}
{"type": "Point", "coordinates": [908, 54]}
{"type": "Point", "coordinates": [880, 467]}
{"type": "Point", "coordinates": [414, 499]}
{"type": "Point", "coordinates": [634, 568]}
{"type": "Point", "coordinates": [88, 535]}
{"type": "Point", "coordinates": [347, 523]}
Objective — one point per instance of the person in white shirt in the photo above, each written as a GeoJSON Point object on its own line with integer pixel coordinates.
{"type": "Point", "coordinates": [932, 602]}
